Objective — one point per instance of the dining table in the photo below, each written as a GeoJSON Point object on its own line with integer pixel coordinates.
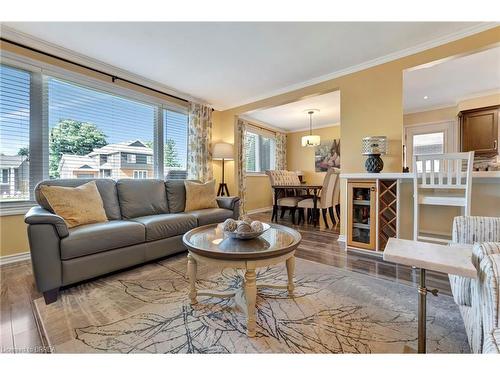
{"type": "Point", "coordinates": [310, 189]}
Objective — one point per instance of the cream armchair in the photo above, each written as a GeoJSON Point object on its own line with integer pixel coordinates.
{"type": "Point", "coordinates": [478, 299]}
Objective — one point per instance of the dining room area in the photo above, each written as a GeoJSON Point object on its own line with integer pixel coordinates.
{"type": "Point", "coordinates": [292, 162]}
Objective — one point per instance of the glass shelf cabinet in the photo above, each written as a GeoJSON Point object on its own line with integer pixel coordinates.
{"type": "Point", "coordinates": [361, 223]}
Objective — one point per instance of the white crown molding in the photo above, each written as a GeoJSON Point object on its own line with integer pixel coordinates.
{"type": "Point", "coordinates": [9, 259]}
{"type": "Point", "coordinates": [65, 53]}
{"type": "Point", "coordinates": [369, 64]}
{"type": "Point", "coordinates": [455, 103]}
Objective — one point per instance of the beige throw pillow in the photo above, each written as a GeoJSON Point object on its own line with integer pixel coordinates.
{"type": "Point", "coordinates": [200, 196]}
{"type": "Point", "coordinates": [77, 206]}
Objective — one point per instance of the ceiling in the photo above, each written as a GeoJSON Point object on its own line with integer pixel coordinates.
{"type": "Point", "coordinates": [291, 117]}
{"type": "Point", "coordinates": [230, 64]}
{"type": "Point", "coordinates": [445, 83]}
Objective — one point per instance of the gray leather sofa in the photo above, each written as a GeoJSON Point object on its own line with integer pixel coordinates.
{"type": "Point", "coordinates": [146, 222]}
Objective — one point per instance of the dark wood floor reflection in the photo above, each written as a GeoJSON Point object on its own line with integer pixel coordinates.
{"type": "Point", "coordinates": [320, 244]}
{"type": "Point", "coordinates": [18, 330]}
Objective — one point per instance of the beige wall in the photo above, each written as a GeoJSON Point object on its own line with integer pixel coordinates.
{"type": "Point", "coordinates": [13, 235]}
{"type": "Point", "coordinates": [302, 158]}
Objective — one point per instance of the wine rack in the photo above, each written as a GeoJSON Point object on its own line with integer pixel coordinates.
{"type": "Point", "coordinates": [387, 211]}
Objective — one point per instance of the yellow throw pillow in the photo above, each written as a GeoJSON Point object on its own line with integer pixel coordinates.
{"type": "Point", "coordinates": [200, 196]}
{"type": "Point", "coordinates": [77, 206]}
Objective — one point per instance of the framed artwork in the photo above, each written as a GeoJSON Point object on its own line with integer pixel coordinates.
{"type": "Point", "coordinates": [327, 155]}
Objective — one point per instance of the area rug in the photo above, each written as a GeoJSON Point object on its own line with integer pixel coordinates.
{"type": "Point", "coordinates": [146, 310]}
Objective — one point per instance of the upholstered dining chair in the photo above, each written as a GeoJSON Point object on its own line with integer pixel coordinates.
{"type": "Point", "coordinates": [325, 200]}
{"type": "Point", "coordinates": [290, 199]}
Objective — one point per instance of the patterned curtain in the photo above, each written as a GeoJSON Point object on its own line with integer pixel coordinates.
{"type": "Point", "coordinates": [280, 151]}
{"type": "Point", "coordinates": [199, 163]}
{"type": "Point", "coordinates": [241, 128]}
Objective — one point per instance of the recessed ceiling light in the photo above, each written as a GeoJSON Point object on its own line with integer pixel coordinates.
{"type": "Point", "coordinates": [426, 97]}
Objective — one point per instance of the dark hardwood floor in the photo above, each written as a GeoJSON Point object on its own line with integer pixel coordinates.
{"type": "Point", "coordinates": [18, 329]}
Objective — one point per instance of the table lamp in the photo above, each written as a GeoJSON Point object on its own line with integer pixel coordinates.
{"type": "Point", "coordinates": [222, 151]}
{"type": "Point", "coordinates": [373, 147]}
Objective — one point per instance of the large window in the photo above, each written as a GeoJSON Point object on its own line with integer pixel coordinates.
{"type": "Point", "coordinates": [14, 133]}
{"type": "Point", "coordinates": [259, 152]}
{"type": "Point", "coordinates": [176, 137]}
{"type": "Point", "coordinates": [91, 131]}
{"type": "Point", "coordinates": [57, 125]}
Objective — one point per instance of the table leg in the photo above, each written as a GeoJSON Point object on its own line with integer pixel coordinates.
{"type": "Point", "coordinates": [290, 270]}
{"type": "Point", "coordinates": [315, 205]}
{"type": "Point", "coordinates": [422, 313]}
{"type": "Point", "coordinates": [274, 216]}
{"type": "Point", "coordinates": [251, 298]}
{"type": "Point", "coordinates": [192, 269]}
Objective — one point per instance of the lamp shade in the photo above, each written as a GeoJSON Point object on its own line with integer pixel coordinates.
{"type": "Point", "coordinates": [222, 151]}
{"type": "Point", "coordinates": [311, 140]}
{"type": "Point", "coordinates": [376, 145]}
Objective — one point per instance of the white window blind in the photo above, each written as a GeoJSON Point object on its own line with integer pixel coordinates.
{"type": "Point", "coordinates": [97, 134]}
{"type": "Point", "coordinates": [260, 149]}
{"type": "Point", "coordinates": [175, 126]}
{"type": "Point", "coordinates": [14, 133]}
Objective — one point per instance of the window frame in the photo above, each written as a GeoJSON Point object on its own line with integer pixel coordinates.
{"type": "Point", "coordinates": [260, 132]}
{"type": "Point", "coordinates": [447, 127]}
{"type": "Point", "coordinates": [39, 127]}
{"type": "Point", "coordinates": [140, 172]}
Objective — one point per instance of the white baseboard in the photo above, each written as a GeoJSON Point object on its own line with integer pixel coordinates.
{"type": "Point", "coordinates": [341, 238]}
{"type": "Point", "coordinates": [8, 259]}
{"type": "Point", "coordinates": [259, 210]}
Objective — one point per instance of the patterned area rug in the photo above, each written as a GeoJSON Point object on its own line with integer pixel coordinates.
{"type": "Point", "coordinates": [146, 310]}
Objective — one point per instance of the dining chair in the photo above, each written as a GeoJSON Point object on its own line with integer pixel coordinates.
{"type": "Point", "coordinates": [290, 200]}
{"type": "Point", "coordinates": [324, 201]}
{"type": "Point", "coordinates": [441, 180]}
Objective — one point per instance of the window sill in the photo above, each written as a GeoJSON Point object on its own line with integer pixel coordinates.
{"type": "Point", "coordinates": [256, 174]}
{"type": "Point", "coordinates": [18, 208]}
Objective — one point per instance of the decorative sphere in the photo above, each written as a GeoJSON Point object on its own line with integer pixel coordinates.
{"type": "Point", "coordinates": [247, 220]}
{"type": "Point", "coordinates": [257, 226]}
{"type": "Point", "coordinates": [243, 228]}
{"type": "Point", "coordinates": [229, 225]}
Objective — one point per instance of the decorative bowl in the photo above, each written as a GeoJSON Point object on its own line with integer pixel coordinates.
{"type": "Point", "coordinates": [246, 235]}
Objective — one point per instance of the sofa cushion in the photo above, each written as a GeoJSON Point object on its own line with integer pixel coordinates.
{"type": "Point", "coordinates": [141, 197]}
{"type": "Point", "coordinates": [200, 195]}
{"type": "Point", "coordinates": [211, 215]}
{"type": "Point", "coordinates": [176, 195]}
{"type": "Point", "coordinates": [94, 238]}
{"type": "Point", "coordinates": [76, 205]}
{"type": "Point", "coordinates": [106, 187]}
{"type": "Point", "coordinates": [167, 225]}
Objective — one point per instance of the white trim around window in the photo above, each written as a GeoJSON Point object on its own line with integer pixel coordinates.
{"type": "Point", "coordinates": [449, 128]}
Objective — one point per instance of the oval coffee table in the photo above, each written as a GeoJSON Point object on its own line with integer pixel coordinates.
{"type": "Point", "coordinates": [208, 244]}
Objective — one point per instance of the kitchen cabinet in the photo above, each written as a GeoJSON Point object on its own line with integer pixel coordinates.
{"type": "Point", "coordinates": [479, 131]}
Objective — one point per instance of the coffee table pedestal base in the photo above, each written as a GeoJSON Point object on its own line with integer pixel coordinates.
{"type": "Point", "coordinates": [246, 296]}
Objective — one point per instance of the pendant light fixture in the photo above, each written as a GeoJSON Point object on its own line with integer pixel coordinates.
{"type": "Point", "coordinates": [311, 140]}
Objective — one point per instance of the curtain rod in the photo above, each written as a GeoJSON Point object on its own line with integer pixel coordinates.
{"type": "Point", "coordinates": [261, 127]}
{"type": "Point", "coordinates": [113, 77]}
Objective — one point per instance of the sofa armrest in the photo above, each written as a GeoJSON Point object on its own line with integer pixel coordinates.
{"type": "Point", "coordinates": [39, 215]}
{"type": "Point", "coordinates": [227, 202]}
{"type": "Point", "coordinates": [471, 229]}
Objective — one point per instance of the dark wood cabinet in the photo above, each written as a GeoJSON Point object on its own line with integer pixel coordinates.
{"type": "Point", "coordinates": [479, 130]}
